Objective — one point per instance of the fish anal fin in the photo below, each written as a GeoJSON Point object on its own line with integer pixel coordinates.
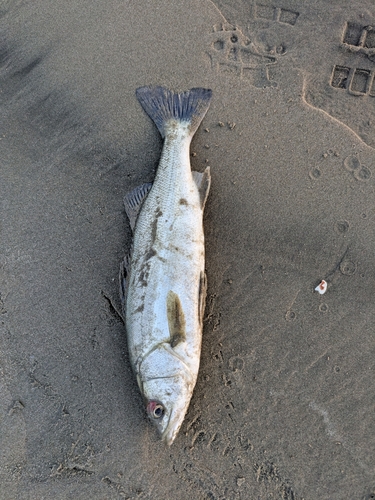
{"type": "Point", "coordinates": [134, 200]}
{"type": "Point", "coordinates": [203, 182]}
{"type": "Point", "coordinates": [176, 319]}
{"type": "Point", "coordinates": [202, 295]}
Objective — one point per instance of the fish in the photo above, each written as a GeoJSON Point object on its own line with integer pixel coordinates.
{"type": "Point", "coordinates": [163, 282]}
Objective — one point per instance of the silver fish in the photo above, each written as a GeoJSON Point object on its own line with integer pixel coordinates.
{"type": "Point", "coordinates": [163, 281]}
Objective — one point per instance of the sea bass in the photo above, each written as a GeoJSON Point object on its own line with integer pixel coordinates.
{"type": "Point", "coordinates": [162, 281]}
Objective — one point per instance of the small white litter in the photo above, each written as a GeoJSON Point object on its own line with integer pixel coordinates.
{"type": "Point", "coordinates": [322, 287]}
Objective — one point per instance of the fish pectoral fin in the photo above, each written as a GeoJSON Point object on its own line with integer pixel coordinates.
{"type": "Point", "coordinates": [133, 202]}
{"type": "Point", "coordinates": [202, 295]}
{"type": "Point", "coordinates": [176, 319]}
{"type": "Point", "coordinates": [203, 182]}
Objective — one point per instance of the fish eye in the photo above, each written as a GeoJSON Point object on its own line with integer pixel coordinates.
{"type": "Point", "coordinates": [155, 409]}
{"type": "Point", "coordinates": [158, 411]}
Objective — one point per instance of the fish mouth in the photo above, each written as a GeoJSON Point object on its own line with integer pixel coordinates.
{"type": "Point", "coordinates": [168, 435]}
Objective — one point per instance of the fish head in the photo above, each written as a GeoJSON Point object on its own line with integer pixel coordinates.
{"type": "Point", "coordinates": [167, 400]}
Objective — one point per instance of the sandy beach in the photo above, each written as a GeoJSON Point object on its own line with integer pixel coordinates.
{"type": "Point", "coordinates": [285, 399]}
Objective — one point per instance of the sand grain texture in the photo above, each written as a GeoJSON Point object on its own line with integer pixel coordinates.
{"type": "Point", "coordinates": [284, 402]}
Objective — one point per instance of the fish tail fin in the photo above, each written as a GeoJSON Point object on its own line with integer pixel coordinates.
{"type": "Point", "coordinates": [163, 105]}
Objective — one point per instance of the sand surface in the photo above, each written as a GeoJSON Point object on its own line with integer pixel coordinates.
{"type": "Point", "coordinates": [285, 400]}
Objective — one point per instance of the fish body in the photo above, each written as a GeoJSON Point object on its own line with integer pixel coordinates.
{"type": "Point", "coordinates": [163, 282]}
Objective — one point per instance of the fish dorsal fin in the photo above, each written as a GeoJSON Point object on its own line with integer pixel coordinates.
{"type": "Point", "coordinates": [176, 319]}
{"type": "Point", "coordinates": [133, 202]}
{"type": "Point", "coordinates": [203, 182]}
{"type": "Point", "coordinates": [202, 295]}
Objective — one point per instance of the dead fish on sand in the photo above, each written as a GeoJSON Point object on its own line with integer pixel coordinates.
{"type": "Point", "coordinates": [162, 281]}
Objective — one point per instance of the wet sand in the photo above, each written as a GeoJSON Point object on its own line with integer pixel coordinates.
{"type": "Point", "coordinates": [285, 399]}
